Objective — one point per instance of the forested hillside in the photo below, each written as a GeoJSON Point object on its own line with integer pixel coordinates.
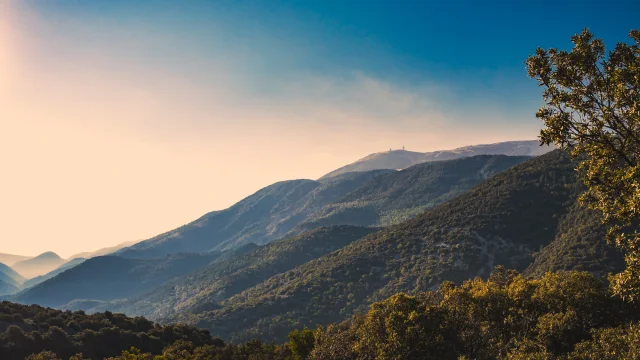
{"type": "Point", "coordinates": [392, 198]}
{"type": "Point", "coordinates": [26, 330]}
{"type": "Point", "coordinates": [502, 221]}
{"type": "Point", "coordinates": [226, 277]}
{"type": "Point", "coordinates": [109, 277]}
{"type": "Point", "coordinates": [260, 218]}
{"type": "Point", "coordinates": [578, 245]}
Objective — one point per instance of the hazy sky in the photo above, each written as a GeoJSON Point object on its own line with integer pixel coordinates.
{"type": "Point", "coordinates": [123, 119]}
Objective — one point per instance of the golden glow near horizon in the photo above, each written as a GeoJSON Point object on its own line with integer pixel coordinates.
{"type": "Point", "coordinates": [100, 145]}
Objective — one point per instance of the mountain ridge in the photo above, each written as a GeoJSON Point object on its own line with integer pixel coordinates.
{"type": "Point", "coordinates": [391, 198]}
{"type": "Point", "coordinates": [11, 259]}
{"type": "Point", "coordinates": [401, 159]}
{"type": "Point", "coordinates": [267, 215]}
{"type": "Point", "coordinates": [38, 265]}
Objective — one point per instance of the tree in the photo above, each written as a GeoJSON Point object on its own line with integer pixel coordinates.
{"type": "Point", "coordinates": [592, 109]}
{"type": "Point", "coordinates": [301, 343]}
{"type": "Point", "coordinates": [44, 355]}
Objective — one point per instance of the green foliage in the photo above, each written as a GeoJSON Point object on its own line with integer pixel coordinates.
{"type": "Point", "coordinates": [564, 315]}
{"type": "Point", "coordinates": [610, 344]}
{"type": "Point", "coordinates": [301, 343]}
{"type": "Point", "coordinates": [49, 333]}
{"type": "Point", "coordinates": [561, 315]}
{"type": "Point", "coordinates": [578, 245]}
{"type": "Point", "coordinates": [592, 107]}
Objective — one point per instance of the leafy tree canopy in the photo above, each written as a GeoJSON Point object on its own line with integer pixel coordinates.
{"type": "Point", "coordinates": [592, 108]}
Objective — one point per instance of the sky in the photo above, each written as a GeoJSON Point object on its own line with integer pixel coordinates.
{"type": "Point", "coordinates": [120, 120]}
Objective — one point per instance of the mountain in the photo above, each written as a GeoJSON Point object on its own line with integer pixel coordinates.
{"type": "Point", "coordinates": [401, 159]}
{"type": "Point", "coordinates": [227, 277]}
{"type": "Point", "coordinates": [265, 216]}
{"type": "Point", "coordinates": [502, 221]}
{"type": "Point", "coordinates": [9, 259]}
{"type": "Point", "coordinates": [103, 251]}
{"type": "Point", "coordinates": [392, 159]}
{"type": "Point", "coordinates": [578, 245]}
{"type": "Point", "coordinates": [10, 281]}
{"type": "Point", "coordinates": [400, 195]}
{"type": "Point", "coordinates": [38, 265]}
{"type": "Point", "coordinates": [110, 277]}
{"type": "Point", "coordinates": [10, 276]}
{"type": "Point", "coordinates": [60, 269]}
{"type": "Point", "coordinates": [6, 288]}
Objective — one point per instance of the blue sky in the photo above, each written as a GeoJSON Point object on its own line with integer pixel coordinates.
{"type": "Point", "coordinates": [474, 46]}
{"type": "Point", "coordinates": [176, 108]}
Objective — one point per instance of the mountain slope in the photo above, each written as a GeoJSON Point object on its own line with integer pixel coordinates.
{"type": "Point", "coordinates": [38, 265]}
{"type": "Point", "coordinates": [110, 277]}
{"type": "Point", "coordinates": [62, 268]}
{"type": "Point", "coordinates": [260, 218]}
{"type": "Point", "coordinates": [10, 276]}
{"type": "Point", "coordinates": [10, 281]}
{"type": "Point", "coordinates": [6, 288]}
{"type": "Point", "coordinates": [392, 198]}
{"type": "Point", "coordinates": [401, 159]}
{"type": "Point", "coordinates": [225, 278]}
{"type": "Point", "coordinates": [500, 222]}
{"type": "Point", "coordinates": [9, 259]}
{"type": "Point", "coordinates": [579, 245]}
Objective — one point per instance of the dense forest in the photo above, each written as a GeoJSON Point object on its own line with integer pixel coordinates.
{"type": "Point", "coordinates": [563, 315]}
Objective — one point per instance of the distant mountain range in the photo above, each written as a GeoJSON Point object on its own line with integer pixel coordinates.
{"type": "Point", "coordinates": [9, 259]}
{"type": "Point", "coordinates": [402, 159]}
{"type": "Point", "coordinates": [49, 264]}
{"type": "Point", "coordinates": [111, 277]}
{"type": "Point", "coordinates": [38, 265]}
{"type": "Point", "coordinates": [10, 281]}
{"type": "Point", "coordinates": [60, 269]}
